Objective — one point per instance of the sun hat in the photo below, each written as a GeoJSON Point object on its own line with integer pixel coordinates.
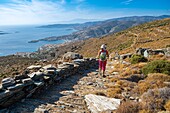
{"type": "Point", "coordinates": [103, 46]}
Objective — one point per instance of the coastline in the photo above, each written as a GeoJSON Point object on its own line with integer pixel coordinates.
{"type": "Point", "coordinates": [18, 37]}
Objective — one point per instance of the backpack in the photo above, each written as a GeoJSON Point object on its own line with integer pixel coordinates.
{"type": "Point", "coordinates": [102, 55]}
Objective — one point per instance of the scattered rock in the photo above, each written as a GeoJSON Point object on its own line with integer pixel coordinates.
{"type": "Point", "coordinates": [99, 104]}
{"type": "Point", "coordinates": [36, 75]}
{"type": "Point", "coordinates": [34, 67]}
{"type": "Point", "coordinates": [115, 73]}
{"type": "Point", "coordinates": [16, 87]}
{"type": "Point", "coordinates": [67, 92]}
{"type": "Point", "coordinates": [19, 77]}
{"type": "Point", "coordinates": [27, 81]}
{"type": "Point", "coordinates": [89, 83]}
{"type": "Point", "coordinates": [6, 82]}
{"type": "Point", "coordinates": [71, 56]}
{"type": "Point", "coordinates": [40, 110]}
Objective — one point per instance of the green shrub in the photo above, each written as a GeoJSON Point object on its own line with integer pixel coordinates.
{"type": "Point", "coordinates": [138, 58]}
{"type": "Point", "coordinates": [158, 66]}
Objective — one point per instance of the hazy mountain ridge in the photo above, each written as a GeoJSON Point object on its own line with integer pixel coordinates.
{"type": "Point", "coordinates": [100, 28]}
{"type": "Point", "coordinates": [3, 33]}
{"type": "Point", "coordinates": [152, 35]}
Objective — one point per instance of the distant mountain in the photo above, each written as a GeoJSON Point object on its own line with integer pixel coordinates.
{"type": "Point", "coordinates": [140, 18]}
{"type": "Point", "coordinates": [79, 20]}
{"type": "Point", "coordinates": [100, 28]}
{"type": "Point", "coordinates": [3, 33]}
{"type": "Point", "coordinates": [154, 35]}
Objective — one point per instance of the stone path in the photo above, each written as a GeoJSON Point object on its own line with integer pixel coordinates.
{"type": "Point", "coordinates": [68, 96]}
{"type": "Point", "coordinates": [51, 100]}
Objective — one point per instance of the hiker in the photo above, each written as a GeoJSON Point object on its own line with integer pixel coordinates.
{"type": "Point", "coordinates": [102, 55]}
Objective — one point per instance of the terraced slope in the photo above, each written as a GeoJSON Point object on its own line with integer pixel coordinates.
{"type": "Point", "coordinates": [150, 35]}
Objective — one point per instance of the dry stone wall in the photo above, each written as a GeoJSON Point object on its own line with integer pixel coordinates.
{"type": "Point", "coordinates": [24, 86]}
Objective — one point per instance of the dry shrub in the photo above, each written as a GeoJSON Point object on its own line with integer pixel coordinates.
{"type": "Point", "coordinates": [114, 92]}
{"type": "Point", "coordinates": [120, 82]}
{"type": "Point", "coordinates": [110, 85]}
{"type": "Point", "coordinates": [129, 107]}
{"type": "Point", "coordinates": [167, 105]}
{"type": "Point", "coordinates": [139, 65]}
{"type": "Point", "coordinates": [120, 66]}
{"type": "Point", "coordinates": [157, 57]}
{"type": "Point", "coordinates": [145, 111]}
{"type": "Point", "coordinates": [125, 85]}
{"type": "Point", "coordinates": [155, 99]}
{"type": "Point", "coordinates": [114, 79]}
{"type": "Point", "coordinates": [155, 80]}
{"type": "Point", "coordinates": [130, 71]}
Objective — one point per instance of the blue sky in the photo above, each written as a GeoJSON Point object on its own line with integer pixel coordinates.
{"type": "Point", "coordinates": [15, 12]}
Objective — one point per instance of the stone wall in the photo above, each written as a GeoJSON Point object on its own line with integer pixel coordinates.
{"type": "Point", "coordinates": [24, 86]}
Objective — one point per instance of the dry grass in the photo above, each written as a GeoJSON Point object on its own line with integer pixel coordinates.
{"type": "Point", "coordinates": [155, 100]}
{"type": "Point", "coordinates": [129, 107]}
{"type": "Point", "coordinates": [130, 71]}
{"type": "Point", "coordinates": [145, 111]}
{"type": "Point", "coordinates": [157, 57]}
{"type": "Point", "coordinates": [152, 35]}
{"type": "Point", "coordinates": [114, 92]}
{"type": "Point", "coordinates": [13, 65]}
{"type": "Point", "coordinates": [139, 65]}
{"type": "Point", "coordinates": [167, 105]}
{"type": "Point", "coordinates": [155, 80]}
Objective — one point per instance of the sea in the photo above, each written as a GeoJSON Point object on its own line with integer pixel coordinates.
{"type": "Point", "coordinates": [17, 38]}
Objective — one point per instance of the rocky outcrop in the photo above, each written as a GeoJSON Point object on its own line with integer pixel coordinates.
{"type": "Point", "coordinates": [23, 86]}
{"type": "Point", "coordinates": [71, 56]}
{"type": "Point", "coordinates": [101, 104]}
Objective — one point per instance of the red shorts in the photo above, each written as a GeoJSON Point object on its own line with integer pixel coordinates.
{"type": "Point", "coordinates": [102, 65]}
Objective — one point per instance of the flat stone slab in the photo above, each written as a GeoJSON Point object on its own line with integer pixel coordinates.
{"type": "Point", "coordinates": [67, 92]}
{"type": "Point", "coordinates": [16, 87]}
{"type": "Point", "coordinates": [49, 67]}
{"type": "Point", "coordinates": [100, 104]}
{"type": "Point", "coordinates": [6, 82]}
{"type": "Point", "coordinates": [34, 67]}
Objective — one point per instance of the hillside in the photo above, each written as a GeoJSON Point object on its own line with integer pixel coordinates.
{"type": "Point", "coordinates": [13, 65]}
{"type": "Point", "coordinates": [135, 85]}
{"type": "Point", "coordinates": [99, 28]}
{"type": "Point", "coordinates": [150, 35]}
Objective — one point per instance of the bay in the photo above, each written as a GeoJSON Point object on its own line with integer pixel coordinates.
{"type": "Point", "coordinates": [17, 37]}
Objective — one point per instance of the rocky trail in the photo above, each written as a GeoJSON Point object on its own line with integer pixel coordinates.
{"type": "Point", "coordinates": [69, 95]}
{"type": "Point", "coordinates": [63, 97]}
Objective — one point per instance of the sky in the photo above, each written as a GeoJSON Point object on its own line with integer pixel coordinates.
{"type": "Point", "coordinates": [29, 12]}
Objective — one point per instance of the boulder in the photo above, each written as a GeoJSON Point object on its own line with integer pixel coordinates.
{"type": "Point", "coordinates": [19, 77]}
{"type": "Point", "coordinates": [36, 76]}
{"type": "Point", "coordinates": [100, 104]}
{"type": "Point", "coordinates": [6, 82]}
{"type": "Point", "coordinates": [49, 70]}
{"type": "Point", "coordinates": [140, 51]}
{"type": "Point", "coordinates": [27, 81]}
{"type": "Point", "coordinates": [158, 51]}
{"type": "Point", "coordinates": [41, 110]}
{"type": "Point", "coordinates": [128, 55]}
{"type": "Point", "coordinates": [78, 61]}
{"type": "Point", "coordinates": [67, 92]}
{"type": "Point", "coordinates": [16, 87]}
{"type": "Point", "coordinates": [34, 67]}
{"type": "Point", "coordinates": [49, 67]}
{"type": "Point", "coordinates": [71, 56]}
